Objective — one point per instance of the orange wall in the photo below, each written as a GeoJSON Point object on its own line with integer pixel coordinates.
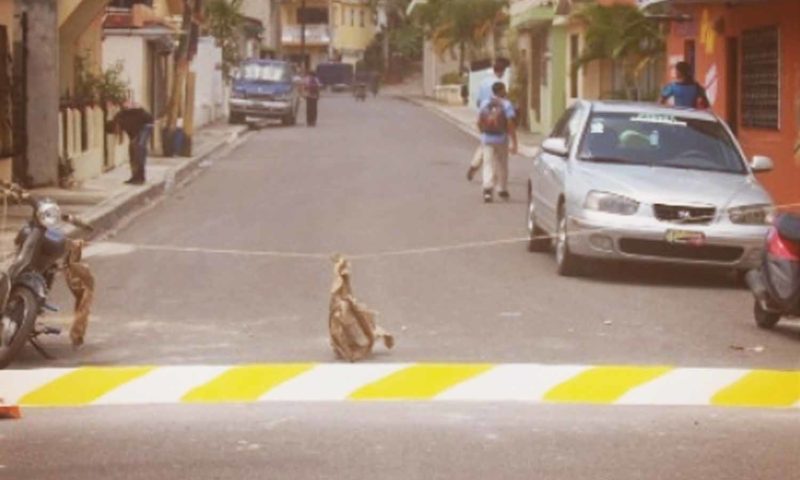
{"type": "Point", "coordinates": [784, 181]}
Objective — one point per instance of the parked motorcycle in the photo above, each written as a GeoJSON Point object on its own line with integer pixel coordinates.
{"type": "Point", "coordinates": [776, 284]}
{"type": "Point", "coordinates": [42, 250]}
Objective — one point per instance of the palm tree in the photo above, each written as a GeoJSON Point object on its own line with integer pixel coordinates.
{"type": "Point", "coordinates": [461, 23]}
{"type": "Point", "coordinates": [621, 34]}
{"type": "Point", "coordinates": [224, 21]}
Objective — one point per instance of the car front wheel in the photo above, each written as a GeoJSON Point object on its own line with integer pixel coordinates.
{"type": "Point", "coordinates": [538, 241]}
{"type": "Point", "coordinates": [568, 264]}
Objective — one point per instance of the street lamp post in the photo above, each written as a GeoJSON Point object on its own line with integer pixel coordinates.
{"type": "Point", "coordinates": [303, 33]}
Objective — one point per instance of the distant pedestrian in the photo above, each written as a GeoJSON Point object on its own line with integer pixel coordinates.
{"type": "Point", "coordinates": [685, 91]}
{"type": "Point", "coordinates": [138, 124]}
{"type": "Point", "coordinates": [497, 123]}
{"type": "Point", "coordinates": [485, 94]}
{"type": "Point", "coordinates": [311, 88]}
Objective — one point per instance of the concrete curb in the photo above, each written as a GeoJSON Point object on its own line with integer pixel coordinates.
{"type": "Point", "coordinates": [108, 213]}
{"type": "Point", "coordinates": [524, 150]}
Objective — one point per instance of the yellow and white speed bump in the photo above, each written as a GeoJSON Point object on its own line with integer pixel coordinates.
{"type": "Point", "coordinates": [293, 382]}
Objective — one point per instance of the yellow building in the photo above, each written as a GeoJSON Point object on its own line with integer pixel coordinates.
{"type": "Point", "coordinates": [310, 48]}
{"type": "Point", "coordinates": [353, 23]}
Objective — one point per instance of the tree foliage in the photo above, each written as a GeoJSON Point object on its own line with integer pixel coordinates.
{"type": "Point", "coordinates": [460, 23]}
{"type": "Point", "coordinates": [621, 34]}
{"type": "Point", "coordinates": [223, 20]}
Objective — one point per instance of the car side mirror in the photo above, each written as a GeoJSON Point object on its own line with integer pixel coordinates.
{"type": "Point", "coordinates": [555, 146]}
{"type": "Point", "coordinates": [760, 163]}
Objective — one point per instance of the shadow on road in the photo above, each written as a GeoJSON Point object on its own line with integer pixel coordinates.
{"type": "Point", "coordinates": [644, 274]}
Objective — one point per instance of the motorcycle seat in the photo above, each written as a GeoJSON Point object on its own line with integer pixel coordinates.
{"type": "Point", "coordinates": [788, 226]}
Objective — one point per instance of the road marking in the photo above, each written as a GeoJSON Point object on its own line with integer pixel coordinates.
{"type": "Point", "coordinates": [603, 384]}
{"type": "Point", "coordinates": [419, 382]}
{"type": "Point", "coordinates": [761, 388]}
{"type": "Point", "coordinates": [533, 383]}
{"type": "Point", "coordinates": [244, 384]}
{"type": "Point", "coordinates": [82, 386]}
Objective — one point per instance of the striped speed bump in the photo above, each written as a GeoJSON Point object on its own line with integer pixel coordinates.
{"type": "Point", "coordinates": [605, 385]}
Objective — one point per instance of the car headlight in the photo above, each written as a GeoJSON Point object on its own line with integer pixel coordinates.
{"type": "Point", "coordinates": [761, 214]}
{"type": "Point", "coordinates": [610, 203]}
{"type": "Point", "coordinates": [48, 213]}
{"type": "Point", "coordinates": [283, 97]}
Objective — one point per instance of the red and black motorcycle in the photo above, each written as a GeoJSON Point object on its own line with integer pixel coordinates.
{"type": "Point", "coordinates": [776, 285]}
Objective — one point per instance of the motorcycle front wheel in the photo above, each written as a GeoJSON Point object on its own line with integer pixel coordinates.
{"type": "Point", "coordinates": [764, 319]}
{"type": "Point", "coordinates": [17, 323]}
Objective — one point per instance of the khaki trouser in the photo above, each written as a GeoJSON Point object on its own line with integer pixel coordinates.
{"type": "Point", "coordinates": [495, 167]}
{"type": "Point", "coordinates": [477, 159]}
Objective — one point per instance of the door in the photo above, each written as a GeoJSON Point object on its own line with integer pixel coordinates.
{"type": "Point", "coordinates": [732, 87]}
{"type": "Point", "coordinates": [550, 171]}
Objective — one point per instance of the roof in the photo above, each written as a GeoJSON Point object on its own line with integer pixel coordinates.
{"type": "Point", "coordinates": [606, 106]}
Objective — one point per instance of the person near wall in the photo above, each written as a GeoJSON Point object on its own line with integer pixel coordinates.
{"type": "Point", "coordinates": [685, 91]}
{"type": "Point", "coordinates": [137, 123]}
{"type": "Point", "coordinates": [485, 94]}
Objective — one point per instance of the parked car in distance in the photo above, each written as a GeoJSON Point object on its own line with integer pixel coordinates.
{"type": "Point", "coordinates": [264, 89]}
{"type": "Point", "coordinates": [337, 76]}
{"type": "Point", "coordinates": [634, 181]}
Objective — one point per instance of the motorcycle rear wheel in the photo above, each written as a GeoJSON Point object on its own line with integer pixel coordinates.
{"type": "Point", "coordinates": [21, 310]}
{"type": "Point", "coordinates": [764, 319]}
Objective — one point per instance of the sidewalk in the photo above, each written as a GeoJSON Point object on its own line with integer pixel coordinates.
{"type": "Point", "coordinates": [462, 116]}
{"type": "Point", "coordinates": [103, 201]}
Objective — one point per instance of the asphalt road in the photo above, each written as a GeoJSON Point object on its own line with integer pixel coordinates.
{"type": "Point", "coordinates": [401, 441]}
{"type": "Point", "coordinates": [236, 271]}
{"type": "Point", "coordinates": [386, 177]}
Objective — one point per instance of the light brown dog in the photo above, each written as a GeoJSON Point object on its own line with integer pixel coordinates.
{"type": "Point", "coordinates": [81, 283]}
{"type": "Point", "coordinates": [352, 325]}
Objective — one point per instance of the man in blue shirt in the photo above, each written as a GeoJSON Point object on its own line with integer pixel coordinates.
{"type": "Point", "coordinates": [496, 121]}
{"type": "Point", "coordinates": [685, 92]}
{"type": "Point", "coordinates": [484, 94]}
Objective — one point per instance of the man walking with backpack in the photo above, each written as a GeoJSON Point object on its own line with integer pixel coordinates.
{"type": "Point", "coordinates": [496, 121]}
{"type": "Point", "coordinates": [484, 94]}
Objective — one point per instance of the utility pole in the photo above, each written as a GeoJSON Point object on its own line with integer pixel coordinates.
{"type": "Point", "coordinates": [303, 33]}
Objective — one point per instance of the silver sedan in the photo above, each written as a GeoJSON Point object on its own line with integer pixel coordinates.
{"type": "Point", "coordinates": [633, 181]}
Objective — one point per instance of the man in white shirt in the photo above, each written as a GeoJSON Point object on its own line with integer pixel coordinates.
{"type": "Point", "coordinates": [484, 95]}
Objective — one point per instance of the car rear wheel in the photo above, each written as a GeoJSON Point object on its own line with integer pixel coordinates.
{"type": "Point", "coordinates": [538, 241]}
{"type": "Point", "coordinates": [568, 264]}
{"type": "Point", "coordinates": [764, 319]}
{"type": "Point", "coordinates": [235, 118]}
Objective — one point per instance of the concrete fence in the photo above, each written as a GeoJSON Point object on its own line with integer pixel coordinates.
{"type": "Point", "coordinates": [84, 144]}
{"type": "Point", "coordinates": [449, 94]}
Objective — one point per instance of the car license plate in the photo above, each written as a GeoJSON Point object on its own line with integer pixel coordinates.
{"type": "Point", "coordinates": [687, 237]}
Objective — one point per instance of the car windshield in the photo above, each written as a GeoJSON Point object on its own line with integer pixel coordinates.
{"type": "Point", "coordinates": [658, 140]}
{"type": "Point", "coordinates": [265, 73]}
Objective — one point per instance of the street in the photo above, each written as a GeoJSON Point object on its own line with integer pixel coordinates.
{"type": "Point", "coordinates": [234, 268]}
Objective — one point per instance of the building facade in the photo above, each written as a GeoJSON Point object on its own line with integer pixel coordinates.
{"type": "Point", "coordinates": [305, 31]}
{"type": "Point", "coordinates": [747, 55]}
{"type": "Point", "coordinates": [353, 26]}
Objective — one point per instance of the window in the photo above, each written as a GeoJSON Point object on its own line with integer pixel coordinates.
{"type": "Point", "coordinates": [361, 18]}
{"type": "Point", "coordinates": [335, 15]}
{"type": "Point", "coordinates": [760, 80]}
{"type": "Point", "coordinates": [313, 16]}
{"type": "Point", "coordinates": [344, 12]}
{"type": "Point", "coordinates": [574, 54]}
{"type": "Point", "coordinates": [352, 17]}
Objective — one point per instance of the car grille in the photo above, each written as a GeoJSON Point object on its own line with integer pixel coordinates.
{"type": "Point", "coordinates": [684, 214]}
{"type": "Point", "coordinates": [661, 249]}
{"type": "Point", "coordinates": [260, 96]}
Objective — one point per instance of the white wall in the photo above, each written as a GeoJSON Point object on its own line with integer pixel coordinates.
{"type": "Point", "coordinates": [209, 100]}
{"type": "Point", "coordinates": [132, 51]}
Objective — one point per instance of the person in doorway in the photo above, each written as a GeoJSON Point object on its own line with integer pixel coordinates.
{"type": "Point", "coordinates": [138, 124]}
{"type": "Point", "coordinates": [496, 121]}
{"type": "Point", "coordinates": [685, 91]}
{"type": "Point", "coordinates": [311, 88]}
{"type": "Point", "coordinates": [485, 94]}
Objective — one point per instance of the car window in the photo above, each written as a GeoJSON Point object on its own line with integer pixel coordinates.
{"type": "Point", "coordinates": [660, 140]}
{"type": "Point", "coordinates": [266, 72]}
{"type": "Point", "coordinates": [561, 130]}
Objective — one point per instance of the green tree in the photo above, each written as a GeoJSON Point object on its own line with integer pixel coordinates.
{"type": "Point", "coordinates": [224, 22]}
{"type": "Point", "coordinates": [460, 23]}
{"type": "Point", "coordinates": [623, 35]}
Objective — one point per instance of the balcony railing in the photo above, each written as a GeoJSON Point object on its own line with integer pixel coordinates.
{"type": "Point", "coordinates": [128, 4]}
{"type": "Point", "coordinates": [315, 35]}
